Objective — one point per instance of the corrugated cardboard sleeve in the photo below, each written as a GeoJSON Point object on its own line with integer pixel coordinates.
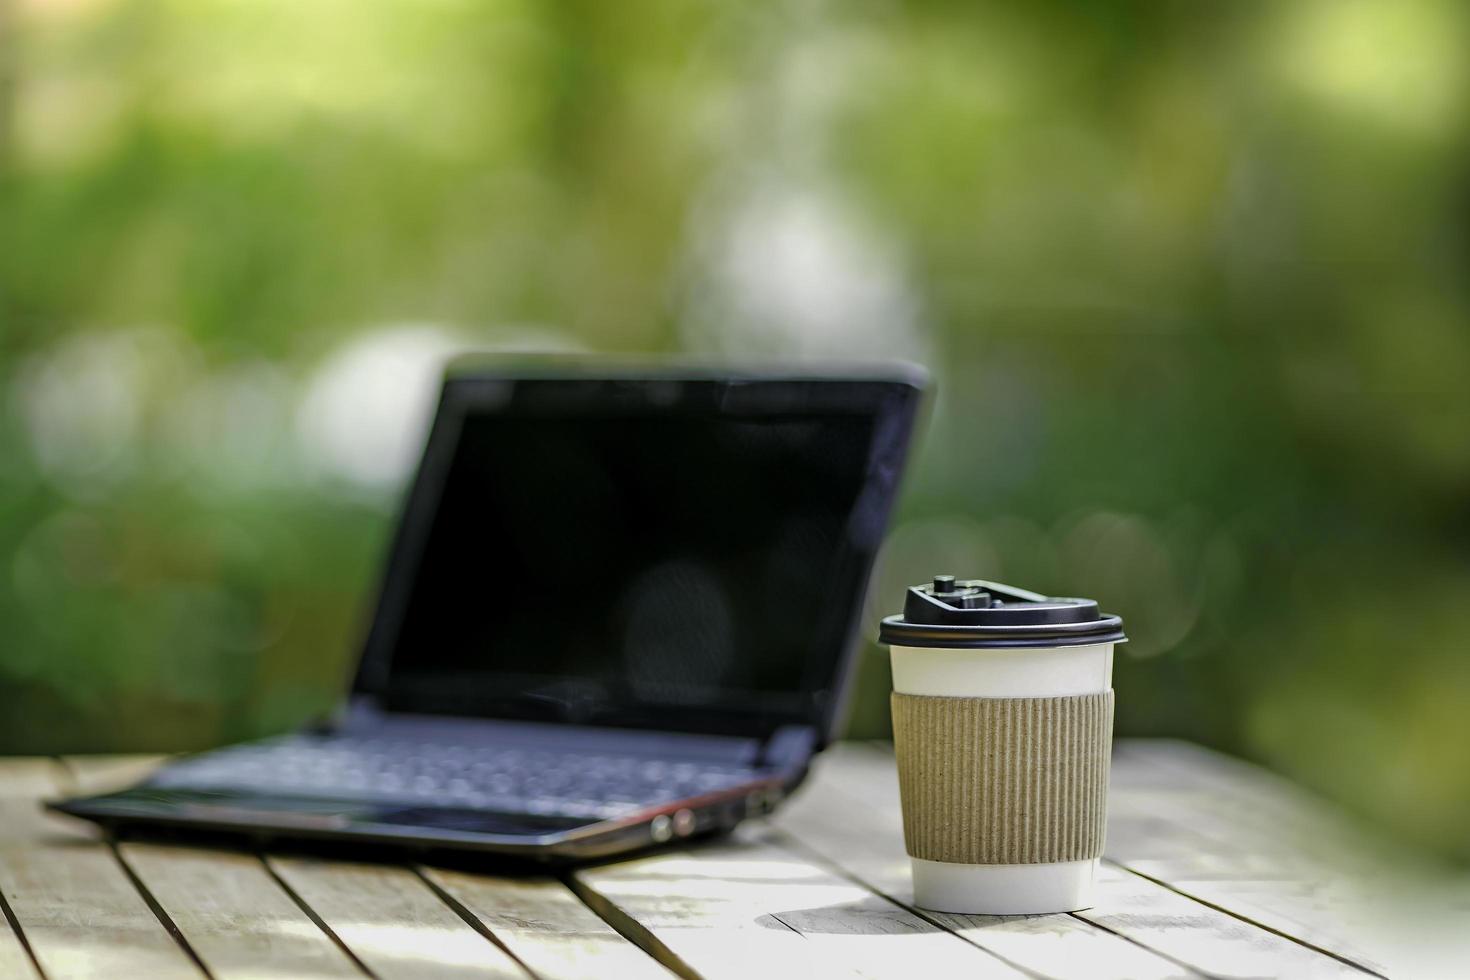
{"type": "Point", "coordinates": [1003, 780]}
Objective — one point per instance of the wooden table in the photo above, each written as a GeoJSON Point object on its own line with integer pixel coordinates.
{"type": "Point", "coordinates": [1213, 868]}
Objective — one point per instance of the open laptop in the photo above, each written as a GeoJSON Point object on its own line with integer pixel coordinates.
{"type": "Point", "coordinates": [619, 610]}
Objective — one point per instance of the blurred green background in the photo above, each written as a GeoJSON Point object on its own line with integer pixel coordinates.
{"type": "Point", "coordinates": [1192, 279]}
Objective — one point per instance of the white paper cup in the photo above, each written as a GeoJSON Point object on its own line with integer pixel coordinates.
{"type": "Point", "coordinates": [1002, 726]}
{"type": "Point", "coordinates": [1004, 673]}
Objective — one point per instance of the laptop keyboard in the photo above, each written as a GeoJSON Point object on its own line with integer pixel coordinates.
{"type": "Point", "coordinates": [414, 772]}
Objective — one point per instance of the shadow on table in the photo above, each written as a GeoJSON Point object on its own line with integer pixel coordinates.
{"type": "Point", "coordinates": [871, 916]}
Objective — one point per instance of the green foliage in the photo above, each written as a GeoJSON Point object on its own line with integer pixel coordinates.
{"type": "Point", "coordinates": [1191, 279]}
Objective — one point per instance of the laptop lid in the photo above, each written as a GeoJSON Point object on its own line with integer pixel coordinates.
{"type": "Point", "coordinates": [676, 551]}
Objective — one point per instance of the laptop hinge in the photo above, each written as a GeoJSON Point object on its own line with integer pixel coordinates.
{"type": "Point", "coordinates": [790, 746]}
{"type": "Point", "coordinates": [359, 711]}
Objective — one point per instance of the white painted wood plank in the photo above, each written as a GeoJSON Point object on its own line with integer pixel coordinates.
{"type": "Point", "coordinates": [864, 837]}
{"type": "Point", "coordinates": [1209, 940]}
{"type": "Point", "coordinates": [234, 915]}
{"type": "Point", "coordinates": [547, 927]}
{"type": "Point", "coordinates": [1237, 837]}
{"type": "Point", "coordinates": [393, 921]}
{"type": "Point", "coordinates": [20, 783]}
{"type": "Point", "coordinates": [78, 909]}
{"type": "Point", "coordinates": [1196, 935]}
{"type": "Point", "coordinates": [747, 908]}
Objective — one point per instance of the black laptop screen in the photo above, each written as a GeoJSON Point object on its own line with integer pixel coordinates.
{"type": "Point", "coordinates": [678, 561]}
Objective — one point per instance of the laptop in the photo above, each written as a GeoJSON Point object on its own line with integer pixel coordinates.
{"type": "Point", "coordinates": [619, 610]}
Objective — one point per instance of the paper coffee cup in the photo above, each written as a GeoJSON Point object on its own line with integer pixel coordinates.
{"type": "Point", "coordinates": [1002, 720]}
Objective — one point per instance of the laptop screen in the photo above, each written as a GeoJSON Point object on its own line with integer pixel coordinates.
{"type": "Point", "coordinates": [685, 555]}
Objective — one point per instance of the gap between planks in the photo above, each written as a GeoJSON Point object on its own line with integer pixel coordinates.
{"type": "Point", "coordinates": [629, 927]}
{"type": "Point", "coordinates": [223, 907]}
{"type": "Point", "coordinates": [1059, 963]}
{"type": "Point", "coordinates": [543, 924]}
{"type": "Point", "coordinates": [862, 839]}
{"type": "Point", "coordinates": [1242, 948]}
{"type": "Point", "coordinates": [820, 926]}
{"type": "Point", "coordinates": [394, 920]}
{"type": "Point", "coordinates": [1248, 870]}
{"type": "Point", "coordinates": [77, 910]}
{"type": "Point", "coordinates": [16, 954]}
{"type": "Point", "coordinates": [742, 906]}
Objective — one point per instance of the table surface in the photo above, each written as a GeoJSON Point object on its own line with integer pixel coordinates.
{"type": "Point", "coordinates": [1213, 868]}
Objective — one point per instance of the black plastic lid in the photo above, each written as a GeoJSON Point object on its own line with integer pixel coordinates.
{"type": "Point", "coordinates": [973, 614]}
